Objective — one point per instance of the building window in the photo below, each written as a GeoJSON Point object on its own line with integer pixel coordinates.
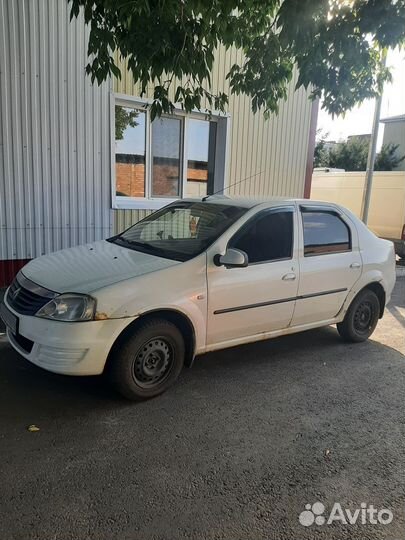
{"type": "Point", "coordinates": [324, 232]}
{"type": "Point", "coordinates": [166, 157]}
{"type": "Point", "coordinates": [130, 152]}
{"type": "Point", "coordinates": [172, 157]}
{"type": "Point", "coordinates": [201, 157]}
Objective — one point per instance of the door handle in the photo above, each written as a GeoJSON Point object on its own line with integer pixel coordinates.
{"type": "Point", "coordinates": [289, 277]}
{"type": "Point", "coordinates": [355, 265]}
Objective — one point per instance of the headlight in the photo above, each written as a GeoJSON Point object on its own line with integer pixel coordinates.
{"type": "Point", "coordinates": [69, 307]}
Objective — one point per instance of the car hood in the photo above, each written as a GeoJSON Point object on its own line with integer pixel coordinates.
{"type": "Point", "coordinates": [90, 267]}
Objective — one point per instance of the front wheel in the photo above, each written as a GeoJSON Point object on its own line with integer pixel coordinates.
{"type": "Point", "coordinates": [149, 361]}
{"type": "Point", "coordinates": [361, 317]}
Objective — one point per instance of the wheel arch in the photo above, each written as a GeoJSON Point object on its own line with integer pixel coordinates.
{"type": "Point", "coordinates": [375, 285]}
{"type": "Point", "coordinates": [178, 318]}
{"type": "Point", "coordinates": [379, 290]}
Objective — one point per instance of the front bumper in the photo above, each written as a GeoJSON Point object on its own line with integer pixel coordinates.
{"type": "Point", "coordinates": [79, 348]}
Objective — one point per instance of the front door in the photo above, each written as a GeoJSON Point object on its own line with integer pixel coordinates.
{"type": "Point", "coordinates": [260, 297]}
{"type": "Point", "coordinates": [330, 264]}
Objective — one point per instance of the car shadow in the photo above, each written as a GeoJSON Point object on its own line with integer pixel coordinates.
{"type": "Point", "coordinates": [22, 381]}
{"type": "Point", "coordinates": [321, 344]}
{"type": "Point", "coordinates": [34, 392]}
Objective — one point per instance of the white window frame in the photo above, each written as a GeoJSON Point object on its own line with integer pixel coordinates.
{"type": "Point", "coordinates": [154, 203]}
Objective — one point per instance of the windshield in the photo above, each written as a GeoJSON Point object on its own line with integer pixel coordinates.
{"type": "Point", "coordinates": [181, 230]}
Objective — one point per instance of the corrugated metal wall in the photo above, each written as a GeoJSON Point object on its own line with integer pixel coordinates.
{"type": "Point", "coordinates": [273, 152]}
{"type": "Point", "coordinates": [55, 188]}
{"type": "Point", "coordinates": [55, 175]}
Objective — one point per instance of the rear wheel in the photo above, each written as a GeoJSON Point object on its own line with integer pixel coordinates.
{"type": "Point", "coordinates": [149, 361]}
{"type": "Point", "coordinates": [361, 318]}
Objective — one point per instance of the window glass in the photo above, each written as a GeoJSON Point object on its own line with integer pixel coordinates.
{"type": "Point", "coordinates": [200, 156]}
{"type": "Point", "coordinates": [181, 230]}
{"type": "Point", "coordinates": [267, 237]}
{"type": "Point", "coordinates": [166, 164]}
{"type": "Point", "coordinates": [324, 232]}
{"type": "Point", "coordinates": [130, 150]}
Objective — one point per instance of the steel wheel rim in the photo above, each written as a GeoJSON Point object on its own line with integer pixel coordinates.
{"type": "Point", "coordinates": [153, 362]}
{"type": "Point", "coordinates": [363, 317]}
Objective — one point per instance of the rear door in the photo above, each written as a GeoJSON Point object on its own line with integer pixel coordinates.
{"type": "Point", "coordinates": [330, 263]}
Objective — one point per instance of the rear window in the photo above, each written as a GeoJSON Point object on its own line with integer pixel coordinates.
{"type": "Point", "coordinates": [325, 232]}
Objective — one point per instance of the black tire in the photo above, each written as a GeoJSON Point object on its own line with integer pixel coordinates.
{"type": "Point", "coordinates": [361, 317]}
{"type": "Point", "coordinates": [149, 361]}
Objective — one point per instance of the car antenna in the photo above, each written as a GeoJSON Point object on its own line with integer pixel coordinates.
{"type": "Point", "coordinates": [230, 185]}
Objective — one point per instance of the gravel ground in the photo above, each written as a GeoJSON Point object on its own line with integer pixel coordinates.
{"type": "Point", "coordinates": [234, 451]}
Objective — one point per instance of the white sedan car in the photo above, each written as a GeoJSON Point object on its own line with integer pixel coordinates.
{"type": "Point", "coordinates": [198, 276]}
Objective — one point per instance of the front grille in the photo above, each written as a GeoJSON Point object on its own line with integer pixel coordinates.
{"type": "Point", "coordinates": [22, 298]}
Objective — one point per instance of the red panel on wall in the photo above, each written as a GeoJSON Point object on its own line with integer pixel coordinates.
{"type": "Point", "coordinates": [9, 269]}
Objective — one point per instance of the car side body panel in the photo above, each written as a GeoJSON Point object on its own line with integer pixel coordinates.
{"type": "Point", "coordinates": [248, 301]}
{"type": "Point", "coordinates": [326, 279]}
{"type": "Point", "coordinates": [181, 288]}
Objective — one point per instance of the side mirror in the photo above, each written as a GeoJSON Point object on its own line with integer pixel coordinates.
{"type": "Point", "coordinates": [233, 258]}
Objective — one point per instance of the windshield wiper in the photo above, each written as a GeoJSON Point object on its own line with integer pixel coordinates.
{"type": "Point", "coordinates": [151, 249]}
{"type": "Point", "coordinates": [130, 242]}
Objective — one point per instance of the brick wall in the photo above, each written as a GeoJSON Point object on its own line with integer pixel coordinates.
{"type": "Point", "coordinates": [199, 175]}
{"type": "Point", "coordinates": [130, 179]}
{"type": "Point", "coordinates": [130, 176]}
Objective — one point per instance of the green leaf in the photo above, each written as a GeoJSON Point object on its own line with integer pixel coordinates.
{"type": "Point", "coordinates": [337, 47]}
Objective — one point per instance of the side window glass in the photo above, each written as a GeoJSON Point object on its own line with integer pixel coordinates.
{"type": "Point", "coordinates": [267, 237]}
{"type": "Point", "coordinates": [324, 233]}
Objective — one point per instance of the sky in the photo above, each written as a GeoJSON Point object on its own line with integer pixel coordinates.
{"type": "Point", "coordinates": [359, 120]}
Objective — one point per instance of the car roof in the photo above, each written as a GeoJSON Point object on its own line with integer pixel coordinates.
{"type": "Point", "coordinates": [246, 202]}
{"type": "Point", "coordinates": [251, 202]}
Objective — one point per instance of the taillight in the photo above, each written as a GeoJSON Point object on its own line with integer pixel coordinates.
{"type": "Point", "coordinates": [403, 233]}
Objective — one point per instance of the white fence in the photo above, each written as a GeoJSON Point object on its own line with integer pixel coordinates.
{"type": "Point", "coordinates": [387, 205]}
